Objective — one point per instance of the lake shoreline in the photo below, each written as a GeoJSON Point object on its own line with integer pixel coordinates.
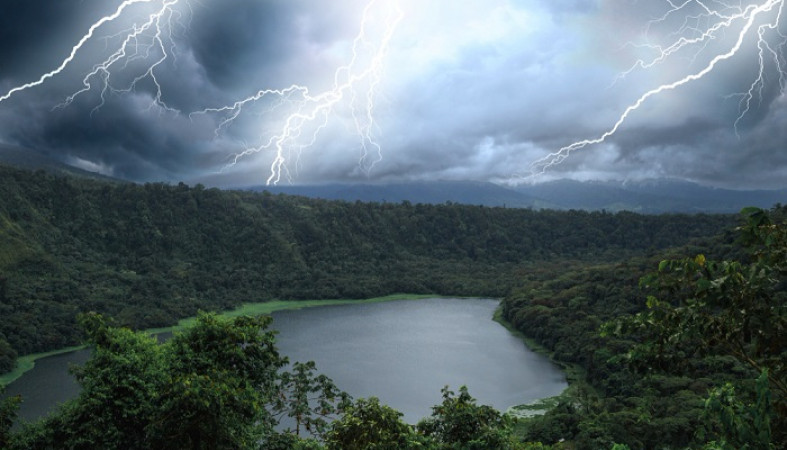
{"type": "Point", "coordinates": [572, 372]}
{"type": "Point", "coordinates": [27, 362]}
{"type": "Point", "coordinates": [442, 338]}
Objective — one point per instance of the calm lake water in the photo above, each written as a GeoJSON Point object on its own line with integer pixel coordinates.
{"type": "Point", "coordinates": [403, 352]}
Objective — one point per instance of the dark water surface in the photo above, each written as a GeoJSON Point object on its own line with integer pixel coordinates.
{"type": "Point", "coordinates": [403, 352]}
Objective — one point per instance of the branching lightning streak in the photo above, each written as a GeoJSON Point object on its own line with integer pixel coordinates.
{"type": "Point", "coordinates": [720, 20]}
{"type": "Point", "coordinates": [149, 43]}
{"type": "Point", "coordinates": [314, 110]}
{"type": "Point", "coordinates": [128, 51]}
{"type": "Point", "coordinates": [132, 49]}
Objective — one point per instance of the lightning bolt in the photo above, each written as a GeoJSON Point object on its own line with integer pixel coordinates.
{"type": "Point", "coordinates": [719, 19]}
{"type": "Point", "coordinates": [150, 43]}
{"type": "Point", "coordinates": [355, 85]}
{"type": "Point", "coordinates": [139, 42]}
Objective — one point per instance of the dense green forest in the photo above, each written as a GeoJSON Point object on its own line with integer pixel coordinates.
{"type": "Point", "coordinates": [147, 255]}
{"type": "Point", "coordinates": [672, 328]}
{"type": "Point", "coordinates": [668, 353]}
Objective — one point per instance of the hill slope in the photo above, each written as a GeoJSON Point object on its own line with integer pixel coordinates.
{"type": "Point", "coordinates": [150, 254]}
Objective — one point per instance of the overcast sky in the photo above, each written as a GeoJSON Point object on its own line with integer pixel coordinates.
{"type": "Point", "coordinates": [466, 90]}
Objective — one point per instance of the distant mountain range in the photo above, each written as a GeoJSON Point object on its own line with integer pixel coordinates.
{"type": "Point", "coordinates": [650, 196]}
{"type": "Point", "coordinates": [24, 158]}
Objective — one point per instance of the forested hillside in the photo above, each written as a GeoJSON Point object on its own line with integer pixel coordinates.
{"type": "Point", "coordinates": [683, 350]}
{"type": "Point", "coordinates": [147, 255]}
{"type": "Point", "coordinates": [670, 327]}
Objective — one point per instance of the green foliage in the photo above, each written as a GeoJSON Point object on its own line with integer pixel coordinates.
{"type": "Point", "coordinates": [150, 254]}
{"type": "Point", "coordinates": [7, 356]}
{"type": "Point", "coordinates": [368, 425]}
{"type": "Point", "coordinates": [732, 308]}
{"type": "Point", "coordinates": [289, 441]}
{"type": "Point", "coordinates": [220, 375]}
{"type": "Point", "coordinates": [206, 388]}
{"type": "Point", "coordinates": [309, 398]}
{"type": "Point", "coordinates": [218, 385]}
{"type": "Point", "coordinates": [737, 424]}
{"type": "Point", "coordinates": [459, 423]}
{"type": "Point", "coordinates": [8, 408]}
{"type": "Point", "coordinates": [647, 387]}
{"type": "Point", "coordinates": [120, 385]}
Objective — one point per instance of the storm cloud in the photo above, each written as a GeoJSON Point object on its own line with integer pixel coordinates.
{"type": "Point", "coordinates": [472, 90]}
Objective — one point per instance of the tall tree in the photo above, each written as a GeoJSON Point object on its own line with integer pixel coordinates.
{"type": "Point", "coordinates": [220, 375]}
{"type": "Point", "coordinates": [206, 388]}
{"type": "Point", "coordinates": [368, 425]}
{"type": "Point", "coordinates": [459, 423]}
{"type": "Point", "coordinates": [309, 398]}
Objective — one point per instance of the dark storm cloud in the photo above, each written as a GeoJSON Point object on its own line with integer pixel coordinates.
{"type": "Point", "coordinates": [692, 132]}
{"type": "Point", "coordinates": [236, 38]}
{"type": "Point", "coordinates": [124, 141]}
{"type": "Point", "coordinates": [127, 136]}
{"type": "Point", "coordinates": [26, 27]}
{"type": "Point", "coordinates": [758, 157]}
{"type": "Point", "coordinates": [477, 89]}
{"type": "Point", "coordinates": [15, 27]}
{"type": "Point", "coordinates": [219, 52]}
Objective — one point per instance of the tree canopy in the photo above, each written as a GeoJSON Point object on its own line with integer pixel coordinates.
{"type": "Point", "coordinates": [698, 363]}
{"type": "Point", "coordinates": [222, 384]}
{"type": "Point", "coordinates": [671, 330]}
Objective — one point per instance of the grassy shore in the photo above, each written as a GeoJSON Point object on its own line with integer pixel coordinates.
{"type": "Point", "coordinates": [27, 362]}
{"type": "Point", "coordinates": [256, 309]}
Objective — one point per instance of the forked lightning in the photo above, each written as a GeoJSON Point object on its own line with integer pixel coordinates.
{"type": "Point", "coordinates": [703, 23]}
{"type": "Point", "coordinates": [150, 42]}
{"type": "Point", "coordinates": [354, 84]}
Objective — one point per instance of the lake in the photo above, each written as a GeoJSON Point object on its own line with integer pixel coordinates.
{"type": "Point", "coordinates": [402, 352]}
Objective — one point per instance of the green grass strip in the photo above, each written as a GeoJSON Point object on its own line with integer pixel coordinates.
{"type": "Point", "coordinates": [27, 362]}
{"type": "Point", "coordinates": [256, 309]}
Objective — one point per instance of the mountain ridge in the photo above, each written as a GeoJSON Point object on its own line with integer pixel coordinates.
{"type": "Point", "coordinates": [653, 196]}
{"type": "Point", "coordinates": [649, 196]}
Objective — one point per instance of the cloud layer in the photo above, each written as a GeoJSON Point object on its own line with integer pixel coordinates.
{"type": "Point", "coordinates": [476, 90]}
